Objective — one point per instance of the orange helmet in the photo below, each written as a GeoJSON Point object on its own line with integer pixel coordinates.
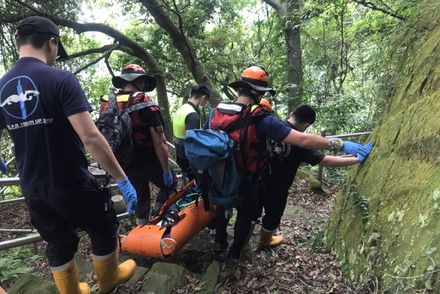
{"type": "Point", "coordinates": [254, 77]}
{"type": "Point", "coordinates": [132, 72]}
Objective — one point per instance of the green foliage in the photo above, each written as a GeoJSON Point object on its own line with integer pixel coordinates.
{"type": "Point", "coordinates": [16, 262]}
{"type": "Point", "coordinates": [317, 242]}
{"type": "Point", "coordinates": [360, 202]}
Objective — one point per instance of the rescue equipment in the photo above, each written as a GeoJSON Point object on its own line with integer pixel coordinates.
{"type": "Point", "coordinates": [239, 122]}
{"type": "Point", "coordinates": [176, 223]}
{"type": "Point", "coordinates": [120, 123]}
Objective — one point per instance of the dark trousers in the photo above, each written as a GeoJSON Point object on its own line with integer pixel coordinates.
{"type": "Point", "coordinates": [246, 211]}
{"type": "Point", "coordinates": [140, 179]}
{"type": "Point", "coordinates": [273, 200]}
{"type": "Point", "coordinates": [182, 162]}
{"type": "Point", "coordinates": [58, 212]}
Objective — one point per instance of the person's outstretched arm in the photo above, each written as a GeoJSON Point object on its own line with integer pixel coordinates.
{"type": "Point", "coordinates": [338, 161]}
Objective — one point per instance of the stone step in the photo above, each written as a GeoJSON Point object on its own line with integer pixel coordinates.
{"type": "Point", "coordinates": [31, 284]}
{"type": "Point", "coordinates": [163, 278]}
{"type": "Point", "coordinates": [210, 279]}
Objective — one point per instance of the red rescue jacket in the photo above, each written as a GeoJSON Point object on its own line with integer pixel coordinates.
{"type": "Point", "coordinates": [239, 121]}
{"type": "Point", "coordinates": [141, 133]}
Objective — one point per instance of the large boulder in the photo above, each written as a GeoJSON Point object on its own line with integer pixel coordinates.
{"type": "Point", "coordinates": [385, 227]}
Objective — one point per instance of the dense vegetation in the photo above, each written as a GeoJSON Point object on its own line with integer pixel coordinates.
{"type": "Point", "coordinates": [344, 57]}
{"type": "Point", "coordinates": [341, 65]}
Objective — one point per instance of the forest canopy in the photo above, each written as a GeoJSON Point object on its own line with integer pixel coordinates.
{"type": "Point", "coordinates": [334, 55]}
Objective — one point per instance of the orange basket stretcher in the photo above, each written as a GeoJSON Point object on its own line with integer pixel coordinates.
{"type": "Point", "coordinates": [157, 241]}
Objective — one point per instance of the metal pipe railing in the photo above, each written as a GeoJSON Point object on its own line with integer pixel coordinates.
{"type": "Point", "coordinates": [9, 181]}
{"type": "Point", "coordinates": [8, 244]}
{"type": "Point", "coordinates": [348, 135]}
{"type": "Point", "coordinates": [17, 230]}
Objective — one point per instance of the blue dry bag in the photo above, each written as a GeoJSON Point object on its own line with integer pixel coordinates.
{"type": "Point", "coordinates": [210, 154]}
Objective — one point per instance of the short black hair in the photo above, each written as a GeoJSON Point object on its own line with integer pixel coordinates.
{"type": "Point", "coordinates": [200, 90]}
{"type": "Point", "coordinates": [37, 40]}
{"type": "Point", "coordinates": [248, 91]}
{"type": "Point", "coordinates": [304, 114]}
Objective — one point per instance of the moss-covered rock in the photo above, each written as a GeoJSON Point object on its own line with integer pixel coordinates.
{"type": "Point", "coordinates": [31, 284]}
{"type": "Point", "coordinates": [386, 220]}
{"type": "Point", "coordinates": [163, 278]}
{"type": "Point", "coordinates": [210, 278]}
{"type": "Point", "coordinates": [307, 175]}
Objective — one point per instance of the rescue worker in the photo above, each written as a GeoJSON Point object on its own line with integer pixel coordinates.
{"type": "Point", "coordinates": [250, 126]}
{"type": "Point", "coordinates": [47, 116]}
{"type": "Point", "coordinates": [187, 117]}
{"type": "Point", "coordinates": [150, 163]}
{"type": "Point", "coordinates": [283, 167]}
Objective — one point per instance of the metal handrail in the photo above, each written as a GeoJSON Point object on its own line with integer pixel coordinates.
{"type": "Point", "coordinates": [9, 181]}
{"type": "Point", "coordinates": [36, 237]}
{"type": "Point", "coordinates": [348, 135]}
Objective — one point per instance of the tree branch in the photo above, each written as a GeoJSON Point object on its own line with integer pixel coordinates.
{"type": "Point", "coordinates": [375, 7]}
{"type": "Point", "coordinates": [182, 44]}
{"type": "Point", "coordinates": [102, 49]}
{"type": "Point", "coordinates": [275, 5]}
{"type": "Point", "coordinates": [107, 53]}
{"type": "Point", "coordinates": [109, 68]}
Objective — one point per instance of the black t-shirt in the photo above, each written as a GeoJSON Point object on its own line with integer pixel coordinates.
{"type": "Point", "coordinates": [192, 120]}
{"type": "Point", "coordinates": [283, 169]}
{"type": "Point", "coordinates": [35, 101]}
{"type": "Point", "coordinates": [144, 149]}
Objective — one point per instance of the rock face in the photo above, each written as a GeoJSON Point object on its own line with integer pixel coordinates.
{"type": "Point", "coordinates": [385, 227]}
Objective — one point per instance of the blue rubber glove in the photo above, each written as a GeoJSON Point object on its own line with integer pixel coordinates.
{"type": "Point", "coordinates": [351, 148]}
{"type": "Point", "coordinates": [364, 151]}
{"type": "Point", "coordinates": [3, 166]}
{"type": "Point", "coordinates": [129, 194]}
{"type": "Point", "coordinates": [168, 178]}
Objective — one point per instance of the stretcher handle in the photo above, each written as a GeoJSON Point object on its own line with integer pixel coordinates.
{"type": "Point", "coordinates": [171, 200]}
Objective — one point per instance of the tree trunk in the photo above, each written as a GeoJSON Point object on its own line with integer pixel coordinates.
{"type": "Point", "coordinates": [288, 12]}
{"type": "Point", "coordinates": [183, 45]}
{"type": "Point", "coordinates": [294, 63]}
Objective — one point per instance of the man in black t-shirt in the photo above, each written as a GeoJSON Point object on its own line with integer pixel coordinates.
{"type": "Point", "coordinates": [47, 116]}
{"type": "Point", "coordinates": [150, 146]}
{"type": "Point", "coordinates": [284, 165]}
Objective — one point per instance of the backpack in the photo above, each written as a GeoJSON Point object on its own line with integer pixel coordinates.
{"type": "Point", "coordinates": [210, 154]}
{"type": "Point", "coordinates": [116, 127]}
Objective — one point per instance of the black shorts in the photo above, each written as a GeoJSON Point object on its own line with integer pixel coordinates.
{"type": "Point", "coordinates": [58, 212]}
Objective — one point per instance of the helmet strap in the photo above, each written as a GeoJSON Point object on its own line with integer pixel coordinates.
{"type": "Point", "coordinates": [256, 95]}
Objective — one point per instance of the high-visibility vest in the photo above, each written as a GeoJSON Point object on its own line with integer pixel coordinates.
{"type": "Point", "coordinates": [179, 129]}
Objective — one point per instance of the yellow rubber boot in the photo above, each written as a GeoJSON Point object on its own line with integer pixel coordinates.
{"type": "Point", "coordinates": [109, 273]}
{"type": "Point", "coordinates": [267, 239]}
{"type": "Point", "coordinates": [66, 279]}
